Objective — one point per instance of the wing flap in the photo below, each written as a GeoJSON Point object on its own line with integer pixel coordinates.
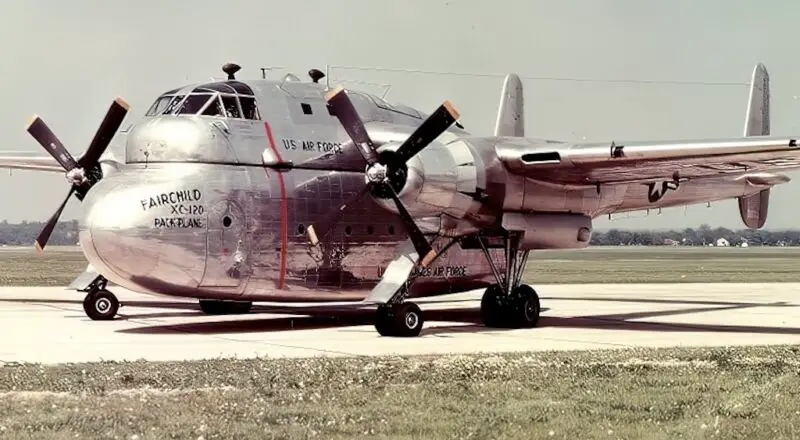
{"type": "Point", "coordinates": [610, 163]}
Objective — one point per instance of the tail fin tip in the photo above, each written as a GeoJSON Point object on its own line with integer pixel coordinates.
{"type": "Point", "coordinates": [757, 119]}
{"type": "Point", "coordinates": [510, 113]}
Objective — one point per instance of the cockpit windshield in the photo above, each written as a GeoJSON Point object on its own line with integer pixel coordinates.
{"type": "Point", "coordinates": [230, 99]}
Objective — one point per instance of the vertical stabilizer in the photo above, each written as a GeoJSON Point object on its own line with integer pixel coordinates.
{"type": "Point", "coordinates": [753, 208]}
{"type": "Point", "coordinates": [756, 122]}
{"type": "Point", "coordinates": [510, 114]}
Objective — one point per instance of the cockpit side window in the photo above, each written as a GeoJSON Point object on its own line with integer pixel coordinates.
{"type": "Point", "coordinates": [193, 104]}
{"type": "Point", "coordinates": [231, 107]}
{"type": "Point", "coordinates": [214, 108]}
{"type": "Point", "coordinates": [249, 108]}
{"type": "Point", "coordinates": [158, 106]}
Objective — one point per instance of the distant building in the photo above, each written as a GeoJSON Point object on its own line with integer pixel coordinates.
{"type": "Point", "coordinates": [722, 242]}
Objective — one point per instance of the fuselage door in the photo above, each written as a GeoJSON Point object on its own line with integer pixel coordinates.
{"type": "Point", "coordinates": [226, 257]}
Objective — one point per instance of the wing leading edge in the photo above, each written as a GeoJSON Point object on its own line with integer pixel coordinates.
{"type": "Point", "coordinates": [642, 162]}
{"type": "Point", "coordinates": [21, 161]}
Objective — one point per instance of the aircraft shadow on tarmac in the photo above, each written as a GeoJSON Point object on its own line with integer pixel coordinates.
{"type": "Point", "coordinates": [469, 319]}
{"type": "Point", "coordinates": [310, 318]}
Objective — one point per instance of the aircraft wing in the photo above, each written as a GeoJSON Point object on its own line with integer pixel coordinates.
{"type": "Point", "coordinates": [587, 164]}
{"type": "Point", "coordinates": [26, 161]}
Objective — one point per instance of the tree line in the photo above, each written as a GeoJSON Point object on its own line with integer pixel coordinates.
{"type": "Point", "coordinates": [66, 233]}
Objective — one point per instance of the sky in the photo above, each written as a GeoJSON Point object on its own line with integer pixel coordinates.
{"type": "Point", "coordinates": [66, 61]}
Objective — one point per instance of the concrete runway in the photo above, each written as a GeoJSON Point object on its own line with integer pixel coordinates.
{"type": "Point", "coordinates": [48, 325]}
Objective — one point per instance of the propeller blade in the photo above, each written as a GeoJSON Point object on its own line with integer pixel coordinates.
{"type": "Point", "coordinates": [424, 249]}
{"type": "Point", "coordinates": [343, 109]}
{"type": "Point", "coordinates": [315, 232]}
{"type": "Point", "coordinates": [108, 128]}
{"type": "Point", "coordinates": [436, 124]}
{"type": "Point", "coordinates": [44, 236]}
{"type": "Point", "coordinates": [47, 139]}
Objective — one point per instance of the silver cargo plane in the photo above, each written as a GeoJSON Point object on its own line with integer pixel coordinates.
{"type": "Point", "coordinates": [237, 191]}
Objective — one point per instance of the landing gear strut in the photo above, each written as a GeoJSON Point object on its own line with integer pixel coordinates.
{"type": "Point", "coordinates": [508, 303]}
{"type": "Point", "coordinates": [100, 304]}
{"type": "Point", "coordinates": [398, 317]}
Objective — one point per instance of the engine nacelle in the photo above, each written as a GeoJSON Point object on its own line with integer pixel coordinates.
{"type": "Point", "coordinates": [441, 179]}
{"type": "Point", "coordinates": [544, 230]}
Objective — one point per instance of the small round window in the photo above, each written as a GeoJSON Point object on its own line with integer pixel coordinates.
{"type": "Point", "coordinates": [226, 221]}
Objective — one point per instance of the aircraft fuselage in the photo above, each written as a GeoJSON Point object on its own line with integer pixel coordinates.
{"type": "Point", "coordinates": [195, 212]}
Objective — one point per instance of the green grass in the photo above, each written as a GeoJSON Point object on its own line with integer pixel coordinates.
{"type": "Point", "coordinates": [58, 266]}
{"type": "Point", "coordinates": [747, 393]}
{"type": "Point", "coordinates": [663, 264]}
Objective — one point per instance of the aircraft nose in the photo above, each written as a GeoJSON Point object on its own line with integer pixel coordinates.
{"type": "Point", "coordinates": [119, 234]}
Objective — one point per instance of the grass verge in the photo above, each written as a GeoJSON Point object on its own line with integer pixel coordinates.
{"type": "Point", "coordinates": [58, 266]}
{"type": "Point", "coordinates": [747, 392]}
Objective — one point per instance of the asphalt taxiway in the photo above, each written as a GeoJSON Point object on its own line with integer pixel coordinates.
{"type": "Point", "coordinates": [48, 325]}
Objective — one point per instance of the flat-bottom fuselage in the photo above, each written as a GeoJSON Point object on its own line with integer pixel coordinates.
{"type": "Point", "coordinates": [238, 232]}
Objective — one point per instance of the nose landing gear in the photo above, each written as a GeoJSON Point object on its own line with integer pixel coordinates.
{"type": "Point", "coordinates": [99, 303]}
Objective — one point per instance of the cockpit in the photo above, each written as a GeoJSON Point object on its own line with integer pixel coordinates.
{"type": "Point", "coordinates": [229, 99]}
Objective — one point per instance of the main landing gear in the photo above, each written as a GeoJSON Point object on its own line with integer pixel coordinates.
{"type": "Point", "coordinates": [506, 304]}
{"type": "Point", "coordinates": [509, 303]}
{"type": "Point", "coordinates": [100, 304]}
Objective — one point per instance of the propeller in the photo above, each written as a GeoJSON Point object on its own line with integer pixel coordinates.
{"type": "Point", "coordinates": [386, 172]}
{"type": "Point", "coordinates": [83, 173]}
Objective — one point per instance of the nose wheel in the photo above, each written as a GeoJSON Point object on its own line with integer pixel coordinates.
{"type": "Point", "coordinates": [401, 319]}
{"type": "Point", "coordinates": [99, 303]}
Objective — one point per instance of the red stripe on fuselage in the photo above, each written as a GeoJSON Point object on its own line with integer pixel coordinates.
{"type": "Point", "coordinates": [284, 209]}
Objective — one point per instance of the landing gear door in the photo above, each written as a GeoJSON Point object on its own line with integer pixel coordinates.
{"type": "Point", "coordinates": [226, 257]}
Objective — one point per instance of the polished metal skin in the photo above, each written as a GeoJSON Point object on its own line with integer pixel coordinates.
{"type": "Point", "coordinates": [220, 183]}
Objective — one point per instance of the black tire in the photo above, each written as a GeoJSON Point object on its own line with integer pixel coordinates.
{"type": "Point", "coordinates": [101, 305]}
{"type": "Point", "coordinates": [218, 307]}
{"type": "Point", "coordinates": [407, 319]}
{"type": "Point", "coordinates": [493, 307]}
{"type": "Point", "coordinates": [526, 306]}
{"type": "Point", "coordinates": [384, 320]}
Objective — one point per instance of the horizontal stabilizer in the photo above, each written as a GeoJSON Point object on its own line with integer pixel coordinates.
{"type": "Point", "coordinates": [510, 113]}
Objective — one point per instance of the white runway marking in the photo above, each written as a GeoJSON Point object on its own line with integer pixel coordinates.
{"type": "Point", "coordinates": [48, 325]}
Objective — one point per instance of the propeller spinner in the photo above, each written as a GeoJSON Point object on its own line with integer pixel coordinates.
{"type": "Point", "coordinates": [386, 171]}
{"type": "Point", "coordinates": [84, 172]}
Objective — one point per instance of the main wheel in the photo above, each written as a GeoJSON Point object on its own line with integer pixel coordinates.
{"type": "Point", "coordinates": [219, 307]}
{"type": "Point", "coordinates": [493, 306]}
{"type": "Point", "coordinates": [526, 306]}
{"type": "Point", "coordinates": [101, 305]}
